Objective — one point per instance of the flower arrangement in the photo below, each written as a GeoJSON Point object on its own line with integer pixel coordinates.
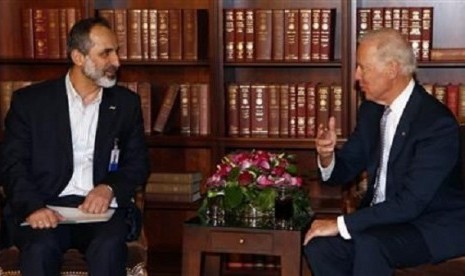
{"type": "Point", "coordinates": [248, 179]}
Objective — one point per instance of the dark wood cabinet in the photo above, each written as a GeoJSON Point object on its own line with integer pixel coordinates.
{"type": "Point", "coordinates": [173, 152]}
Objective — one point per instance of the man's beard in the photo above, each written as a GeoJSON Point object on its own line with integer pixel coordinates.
{"type": "Point", "coordinates": [99, 76]}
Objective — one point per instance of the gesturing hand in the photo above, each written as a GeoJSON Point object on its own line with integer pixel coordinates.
{"type": "Point", "coordinates": [325, 141]}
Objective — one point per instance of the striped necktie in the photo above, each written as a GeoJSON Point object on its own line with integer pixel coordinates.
{"type": "Point", "coordinates": [382, 147]}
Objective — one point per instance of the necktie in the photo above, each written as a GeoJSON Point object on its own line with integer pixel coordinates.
{"type": "Point", "coordinates": [382, 144]}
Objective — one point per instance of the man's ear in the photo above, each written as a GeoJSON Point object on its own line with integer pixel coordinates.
{"type": "Point", "coordinates": [393, 69]}
{"type": "Point", "coordinates": [77, 57]}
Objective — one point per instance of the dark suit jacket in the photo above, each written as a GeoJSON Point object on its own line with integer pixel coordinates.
{"type": "Point", "coordinates": [37, 155]}
{"type": "Point", "coordinates": [423, 184]}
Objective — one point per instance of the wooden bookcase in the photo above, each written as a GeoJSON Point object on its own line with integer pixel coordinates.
{"type": "Point", "coordinates": [172, 152]}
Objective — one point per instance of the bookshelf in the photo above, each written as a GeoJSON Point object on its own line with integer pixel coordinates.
{"type": "Point", "coordinates": [173, 152]}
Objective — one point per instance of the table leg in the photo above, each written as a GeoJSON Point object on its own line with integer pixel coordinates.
{"type": "Point", "coordinates": [290, 264]}
{"type": "Point", "coordinates": [191, 262]}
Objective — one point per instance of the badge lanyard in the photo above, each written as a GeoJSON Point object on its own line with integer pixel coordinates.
{"type": "Point", "coordinates": [114, 157]}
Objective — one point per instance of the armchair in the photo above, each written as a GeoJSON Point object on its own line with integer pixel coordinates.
{"type": "Point", "coordinates": [74, 263]}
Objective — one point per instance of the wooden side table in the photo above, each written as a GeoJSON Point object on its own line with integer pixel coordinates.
{"type": "Point", "coordinates": [199, 239]}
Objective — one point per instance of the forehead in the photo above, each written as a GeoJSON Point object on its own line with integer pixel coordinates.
{"type": "Point", "coordinates": [103, 38]}
{"type": "Point", "coordinates": [366, 52]}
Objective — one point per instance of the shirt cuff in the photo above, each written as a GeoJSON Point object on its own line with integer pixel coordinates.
{"type": "Point", "coordinates": [341, 226]}
{"type": "Point", "coordinates": [326, 172]}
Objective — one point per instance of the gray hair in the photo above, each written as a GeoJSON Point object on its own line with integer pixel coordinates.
{"type": "Point", "coordinates": [79, 39]}
{"type": "Point", "coordinates": [392, 46]}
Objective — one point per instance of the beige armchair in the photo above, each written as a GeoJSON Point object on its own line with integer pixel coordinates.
{"type": "Point", "coordinates": [74, 263]}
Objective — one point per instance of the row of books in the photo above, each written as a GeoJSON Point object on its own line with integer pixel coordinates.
{"type": "Point", "coordinates": [45, 31]}
{"type": "Point", "coordinates": [283, 110]}
{"type": "Point", "coordinates": [144, 90]}
{"type": "Point", "coordinates": [415, 23]}
{"type": "Point", "coordinates": [279, 35]}
{"type": "Point", "coordinates": [150, 34]}
{"type": "Point", "coordinates": [174, 187]}
{"type": "Point", "coordinates": [193, 102]}
{"type": "Point", "coordinates": [452, 95]}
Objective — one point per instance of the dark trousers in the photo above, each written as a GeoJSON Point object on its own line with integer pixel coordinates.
{"type": "Point", "coordinates": [104, 246]}
{"type": "Point", "coordinates": [376, 251]}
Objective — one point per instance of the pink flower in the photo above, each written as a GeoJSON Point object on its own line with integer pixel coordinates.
{"type": "Point", "coordinates": [245, 178]}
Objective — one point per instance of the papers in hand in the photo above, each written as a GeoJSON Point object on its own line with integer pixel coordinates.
{"type": "Point", "coordinates": [74, 215]}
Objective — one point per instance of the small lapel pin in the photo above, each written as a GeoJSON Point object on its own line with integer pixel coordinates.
{"type": "Point", "coordinates": [112, 107]}
{"type": "Point", "coordinates": [403, 133]}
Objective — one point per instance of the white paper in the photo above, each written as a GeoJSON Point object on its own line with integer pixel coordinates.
{"type": "Point", "coordinates": [75, 215]}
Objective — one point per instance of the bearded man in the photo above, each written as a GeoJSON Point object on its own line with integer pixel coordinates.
{"type": "Point", "coordinates": [77, 141]}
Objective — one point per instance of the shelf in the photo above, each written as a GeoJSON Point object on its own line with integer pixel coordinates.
{"type": "Point", "coordinates": [331, 64]}
{"type": "Point", "coordinates": [179, 141]}
{"type": "Point", "coordinates": [266, 142]}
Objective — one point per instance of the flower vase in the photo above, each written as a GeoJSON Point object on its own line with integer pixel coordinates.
{"type": "Point", "coordinates": [283, 209]}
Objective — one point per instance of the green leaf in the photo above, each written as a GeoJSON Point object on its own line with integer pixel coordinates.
{"type": "Point", "coordinates": [233, 197]}
{"type": "Point", "coordinates": [292, 169]}
{"type": "Point", "coordinates": [233, 175]}
{"type": "Point", "coordinates": [265, 199]}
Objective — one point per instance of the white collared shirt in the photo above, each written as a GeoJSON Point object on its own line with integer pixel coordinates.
{"type": "Point", "coordinates": [83, 122]}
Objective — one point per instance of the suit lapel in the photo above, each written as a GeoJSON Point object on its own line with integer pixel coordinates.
{"type": "Point", "coordinates": [107, 114]}
{"type": "Point", "coordinates": [404, 125]}
{"type": "Point", "coordinates": [63, 123]}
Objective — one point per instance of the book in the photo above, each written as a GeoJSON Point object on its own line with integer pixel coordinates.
{"type": "Point", "coordinates": [194, 113]}
{"type": "Point", "coordinates": [204, 109]}
{"type": "Point", "coordinates": [415, 30]}
{"type": "Point", "coordinates": [175, 34]}
{"type": "Point", "coordinates": [273, 110]}
{"type": "Point", "coordinates": [305, 34]}
{"type": "Point", "coordinates": [145, 93]}
{"type": "Point", "coordinates": [229, 35]}
{"type": "Point", "coordinates": [189, 34]}
{"type": "Point", "coordinates": [263, 39]}
{"type": "Point", "coordinates": [311, 111]}
{"type": "Point", "coordinates": [447, 54]}
{"type": "Point", "coordinates": [244, 110]}
{"type": "Point", "coordinates": [153, 34]}
{"type": "Point", "coordinates": [53, 34]}
{"type": "Point", "coordinates": [277, 44]}
{"type": "Point", "coordinates": [292, 101]}
{"type": "Point", "coordinates": [40, 23]}
{"type": "Point", "coordinates": [233, 110]}
{"type": "Point", "coordinates": [316, 34]}
{"type": "Point", "coordinates": [185, 118]}
{"type": "Point", "coordinates": [73, 215]}
{"type": "Point", "coordinates": [121, 32]}
{"type": "Point", "coordinates": [258, 110]}
{"type": "Point", "coordinates": [172, 188]}
{"type": "Point", "coordinates": [145, 38]}
{"type": "Point", "coordinates": [301, 110]}
{"type": "Point", "coordinates": [284, 110]}
{"type": "Point", "coordinates": [173, 197]}
{"type": "Point", "coordinates": [291, 35]}
{"type": "Point", "coordinates": [327, 34]}
{"type": "Point", "coordinates": [163, 34]}
{"type": "Point", "coordinates": [426, 33]}
{"type": "Point", "coordinates": [249, 37]}
{"type": "Point", "coordinates": [166, 108]}
{"type": "Point", "coordinates": [134, 34]}
{"type": "Point", "coordinates": [165, 177]}
{"type": "Point", "coordinates": [239, 34]}
{"type": "Point", "coordinates": [27, 29]}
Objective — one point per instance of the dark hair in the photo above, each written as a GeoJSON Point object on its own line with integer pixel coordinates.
{"type": "Point", "coordinates": [78, 38]}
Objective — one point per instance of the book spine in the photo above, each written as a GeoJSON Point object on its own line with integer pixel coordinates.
{"type": "Point", "coordinates": [166, 107]}
{"type": "Point", "coordinates": [145, 34]}
{"type": "Point", "coordinates": [336, 108]}
{"type": "Point", "coordinates": [396, 18]}
{"type": "Point", "coordinates": [448, 54]}
{"type": "Point", "coordinates": [229, 36]}
{"type": "Point", "coordinates": [263, 38]}
{"type": "Point", "coordinates": [204, 112]}
{"type": "Point", "coordinates": [426, 33]}
{"type": "Point", "coordinates": [388, 18]}
{"type": "Point", "coordinates": [184, 93]}
{"type": "Point", "coordinates": [273, 107]}
{"type": "Point", "coordinates": [363, 21]}
{"type": "Point", "coordinates": [163, 34]}
{"type": "Point", "coordinates": [249, 35]}
{"type": "Point", "coordinates": [301, 110]}
{"type": "Point", "coordinates": [233, 110]}
{"type": "Point", "coordinates": [108, 15]}
{"type": "Point", "coordinates": [327, 34]}
{"type": "Point", "coordinates": [291, 35]}
{"type": "Point", "coordinates": [175, 34]}
{"type": "Point", "coordinates": [63, 32]}
{"type": "Point", "coordinates": [414, 35]}
{"type": "Point", "coordinates": [134, 30]}
{"type": "Point", "coordinates": [172, 188]}
{"type": "Point", "coordinates": [305, 42]}
{"type": "Point", "coordinates": [195, 109]}
{"type": "Point", "coordinates": [323, 106]}
{"type": "Point", "coordinates": [190, 30]}
{"type": "Point", "coordinates": [53, 33]}
{"type": "Point", "coordinates": [311, 111]}
{"type": "Point", "coordinates": [316, 34]}
{"type": "Point", "coordinates": [405, 21]}
{"type": "Point", "coordinates": [244, 111]}
{"type": "Point", "coordinates": [145, 93]}
{"type": "Point", "coordinates": [259, 111]}
{"type": "Point", "coordinates": [292, 110]}
{"type": "Point", "coordinates": [180, 178]}
{"type": "Point", "coordinates": [277, 44]}
{"type": "Point", "coordinates": [27, 33]}
{"type": "Point", "coordinates": [121, 32]}
{"type": "Point", "coordinates": [284, 110]}
{"type": "Point", "coordinates": [40, 23]}
{"type": "Point", "coordinates": [377, 18]}
{"type": "Point", "coordinates": [153, 34]}
{"type": "Point", "coordinates": [239, 34]}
